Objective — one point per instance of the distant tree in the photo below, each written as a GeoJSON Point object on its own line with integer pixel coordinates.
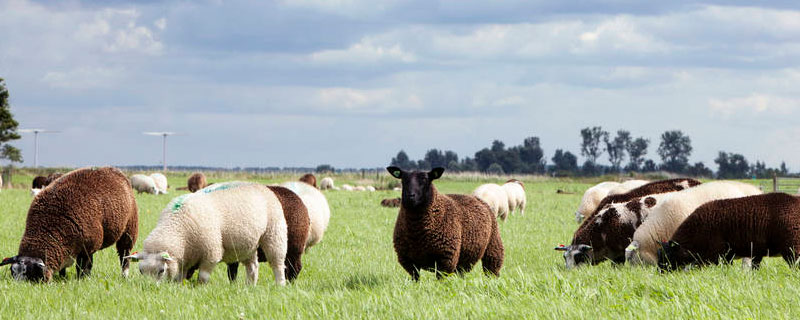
{"type": "Point", "coordinates": [435, 158]}
{"type": "Point", "coordinates": [8, 127]}
{"type": "Point", "coordinates": [498, 146]}
{"type": "Point", "coordinates": [637, 149]}
{"type": "Point", "coordinates": [589, 169]}
{"type": "Point", "coordinates": [784, 170]}
{"type": "Point", "coordinates": [616, 148]}
{"type": "Point", "coordinates": [675, 149]}
{"type": "Point", "coordinates": [325, 168]}
{"type": "Point", "coordinates": [649, 166]}
{"type": "Point", "coordinates": [590, 144]}
{"type": "Point", "coordinates": [495, 168]}
{"type": "Point", "coordinates": [451, 157]}
{"type": "Point", "coordinates": [485, 158]}
{"type": "Point", "coordinates": [532, 155]}
{"type": "Point", "coordinates": [423, 165]}
{"type": "Point", "coordinates": [731, 166]}
{"type": "Point", "coordinates": [402, 161]}
{"type": "Point", "coordinates": [564, 162]}
{"type": "Point", "coordinates": [468, 164]}
{"type": "Point", "coordinates": [700, 170]}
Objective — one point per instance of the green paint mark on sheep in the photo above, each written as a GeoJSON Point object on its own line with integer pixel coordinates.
{"type": "Point", "coordinates": [178, 202]}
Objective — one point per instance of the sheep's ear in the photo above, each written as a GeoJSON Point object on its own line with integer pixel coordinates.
{"type": "Point", "coordinates": [436, 173]}
{"type": "Point", "coordinates": [395, 171]}
{"type": "Point", "coordinates": [165, 256]}
{"type": "Point", "coordinates": [135, 257]}
{"type": "Point", "coordinates": [9, 261]}
{"type": "Point", "coordinates": [584, 247]}
{"type": "Point", "coordinates": [650, 202]}
{"type": "Point", "coordinates": [561, 247]}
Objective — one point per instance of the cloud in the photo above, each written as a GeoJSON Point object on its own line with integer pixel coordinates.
{"type": "Point", "coordinates": [365, 52]}
{"type": "Point", "coordinates": [116, 30]}
{"type": "Point", "coordinates": [83, 78]}
{"type": "Point", "coordinates": [754, 104]}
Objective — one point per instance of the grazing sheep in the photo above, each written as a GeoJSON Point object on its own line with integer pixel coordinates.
{"type": "Point", "coordinates": [83, 212]}
{"type": "Point", "coordinates": [227, 223]}
{"type": "Point", "coordinates": [359, 188]}
{"type": "Point", "coordinates": [592, 198]}
{"type": "Point", "coordinates": [310, 179]}
{"type": "Point", "coordinates": [590, 233]}
{"type": "Point", "coordinates": [347, 187]}
{"type": "Point", "coordinates": [753, 227]}
{"type": "Point", "coordinates": [370, 188]}
{"type": "Point", "coordinates": [495, 197]}
{"type": "Point", "coordinates": [39, 182]}
{"type": "Point", "coordinates": [443, 233]}
{"type": "Point", "coordinates": [52, 177]}
{"type": "Point", "coordinates": [515, 191]}
{"type": "Point", "coordinates": [196, 182]}
{"type": "Point", "coordinates": [318, 210]}
{"type": "Point", "coordinates": [391, 203]}
{"type": "Point", "coordinates": [1, 182]}
{"type": "Point", "coordinates": [161, 182]}
{"type": "Point", "coordinates": [626, 186]}
{"type": "Point", "coordinates": [668, 213]}
{"type": "Point", "coordinates": [143, 183]}
{"type": "Point", "coordinates": [326, 184]}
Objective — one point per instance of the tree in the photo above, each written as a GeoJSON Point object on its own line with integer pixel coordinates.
{"type": "Point", "coordinates": [699, 169]}
{"type": "Point", "coordinates": [495, 168]}
{"type": "Point", "coordinates": [649, 166]}
{"type": "Point", "coordinates": [731, 166]}
{"type": "Point", "coordinates": [637, 149]}
{"type": "Point", "coordinates": [674, 150]}
{"type": "Point", "coordinates": [532, 155]}
{"type": "Point", "coordinates": [784, 170]}
{"type": "Point", "coordinates": [325, 168]}
{"type": "Point", "coordinates": [564, 162]}
{"type": "Point", "coordinates": [435, 158]}
{"type": "Point", "coordinates": [616, 148]}
{"type": "Point", "coordinates": [484, 159]}
{"type": "Point", "coordinates": [8, 127]}
{"type": "Point", "coordinates": [402, 161]}
{"type": "Point", "coordinates": [451, 158]}
{"type": "Point", "coordinates": [590, 144]}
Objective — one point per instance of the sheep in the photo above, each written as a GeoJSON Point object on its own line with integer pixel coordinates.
{"type": "Point", "coordinates": [83, 212]}
{"type": "Point", "coordinates": [590, 234]}
{"type": "Point", "coordinates": [142, 183]}
{"type": "Point", "coordinates": [515, 191]}
{"type": "Point", "coordinates": [227, 223]}
{"type": "Point", "coordinates": [495, 196]}
{"type": "Point", "coordinates": [347, 187]}
{"type": "Point", "coordinates": [310, 179]}
{"type": "Point", "coordinates": [592, 198]}
{"type": "Point", "coordinates": [319, 211]}
{"type": "Point", "coordinates": [668, 213]}
{"type": "Point", "coordinates": [371, 188]}
{"type": "Point", "coordinates": [326, 184]}
{"type": "Point", "coordinates": [391, 203]}
{"type": "Point", "coordinates": [161, 182]}
{"type": "Point", "coordinates": [626, 186]}
{"type": "Point", "coordinates": [39, 182]}
{"type": "Point", "coordinates": [1, 182]}
{"type": "Point", "coordinates": [196, 182]}
{"type": "Point", "coordinates": [359, 188]}
{"type": "Point", "coordinates": [751, 227]}
{"type": "Point", "coordinates": [52, 177]}
{"type": "Point", "coordinates": [443, 233]}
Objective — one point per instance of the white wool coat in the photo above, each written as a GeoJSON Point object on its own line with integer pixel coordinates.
{"type": "Point", "coordinates": [326, 183]}
{"type": "Point", "coordinates": [627, 186]}
{"type": "Point", "coordinates": [161, 182]}
{"type": "Point", "coordinates": [143, 183]}
{"type": "Point", "coordinates": [225, 222]}
{"type": "Point", "coordinates": [670, 211]}
{"type": "Point", "coordinates": [495, 197]}
{"type": "Point", "coordinates": [516, 197]}
{"type": "Point", "coordinates": [319, 213]}
{"type": "Point", "coordinates": [592, 198]}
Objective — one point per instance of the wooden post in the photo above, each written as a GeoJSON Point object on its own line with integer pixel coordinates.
{"type": "Point", "coordinates": [774, 183]}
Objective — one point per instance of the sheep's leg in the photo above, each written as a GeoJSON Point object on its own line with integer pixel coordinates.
{"type": "Point", "coordinates": [190, 272]}
{"type": "Point", "coordinates": [233, 271]}
{"type": "Point", "coordinates": [756, 262]}
{"type": "Point", "coordinates": [409, 267]}
{"type": "Point", "coordinates": [205, 272]}
{"type": "Point", "coordinates": [492, 259]}
{"type": "Point", "coordinates": [83, 265]}
{"type": "Point", "coordinates": [293, 262]}
{"type": "Point", "coordinates": [62, 273]}
{"type": "Point", "coordinates": [522, 208]}
{"type": "Point", "coordinates": [446, 265]}
{"type": "Point", "coordinates": [275, 252]}
{"type": "Point", "coordinates": [251, 266]}
{"type": "Point", "coordinates": [125, 244]}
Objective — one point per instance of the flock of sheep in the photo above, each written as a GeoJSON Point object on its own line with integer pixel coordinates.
{"type": "Point", "coordinates": [680, 223]}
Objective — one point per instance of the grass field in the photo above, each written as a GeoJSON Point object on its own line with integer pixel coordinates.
{"type": "Point", "coordinates": [353, 274]}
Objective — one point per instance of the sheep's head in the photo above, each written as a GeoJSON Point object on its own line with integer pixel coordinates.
{"type": "Point", "coordinates": [28, 268]}
{"type": "Point", "coordinates": [672, 256]}
{"type": "Point", "coordinates": [417, 186]}
{"type": "Point", "coordinates": [159, 265]}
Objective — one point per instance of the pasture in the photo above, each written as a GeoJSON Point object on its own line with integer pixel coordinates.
{"type": "Point", "coordinates": [353, 273]}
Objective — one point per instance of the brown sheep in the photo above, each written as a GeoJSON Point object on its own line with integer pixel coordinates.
{"type": "Point", "coordinates": [391, 202]}
{"type": "Point", "coordinates": [39, 182]}
{"type": "Point", "coordinates": [196, 182]}
{"type": "Point", "coordinates": [310, 179]}
{"type": "Point", "coordinates": [85, 211]}
{"type": "Point", "coordinates": [443, 233]}
{"type": "Point", "coordinates": [297, 223]}
{"type": "Point", "coordinates": [52, 177]}
{"type": "Point", "coordinates": [753, 227]}
{"type": "Point", "coordinates": [590, 233]}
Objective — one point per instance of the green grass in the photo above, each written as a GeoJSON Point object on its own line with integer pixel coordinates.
{"type": "Point", "coordinates": [353, 274]}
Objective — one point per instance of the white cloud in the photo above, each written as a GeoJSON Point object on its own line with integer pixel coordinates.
{"type": "Point", "coordinates": [369, 101]}
{"type": "Point", "coordinates": [365, 52]}
{"type": "Point", "coordinates": [83, 78]}
{"type": "Point", "coordinates": [755, 103]}
{"type": "Point", "coordinates": [161, 24]}
{"type": "Point", "coordinates": [116, 30]}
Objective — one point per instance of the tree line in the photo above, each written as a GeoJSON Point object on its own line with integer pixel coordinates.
{"type": "Point", "coordinates": [625, 153]}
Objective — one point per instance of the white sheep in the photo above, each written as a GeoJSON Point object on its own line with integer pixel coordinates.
{"type": "Point", "coordinates": [319, 213]}
{"type": "Point", "coordinates": [359, 188]}
{"type": "Point", "coordinates": [1, 182]}
{"type": "Point", "coordinates": [592, 198]}
{"type": "Point", "coordinates": [627, 186]}
{"type": "Point", "coordinates": [370, 188]}
{"type": "Point", "coordinates": [224, 222]}
{"type": "Point", "coordinates": [669, 212]}
{"type": "Point", "coordinates": [495, 197]}
{"type": "Point", "coordinates": [347, 187]}
{"type": "Point", "coordinates": [326, 184]}
{"type": "Point", "coordinates": [143, 183]}
{"type": "Point", "coordinates": [161, 182]}
{"type": "Point", "coordinates": [515, 191]}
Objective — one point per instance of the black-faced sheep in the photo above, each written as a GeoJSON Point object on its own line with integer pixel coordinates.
{"type": "Point", "coordinates": [196, 182]}
{"type": "Point", "coordinates": [310, 179]}
{"type": "Point", "coordinates": [39, 182]}
{"type": "Point", "coordinates": [755, 226]}
{"type": "Point", "coordinates": [443, 233]}
{"type": "Point", "coordinates": [86, 210]}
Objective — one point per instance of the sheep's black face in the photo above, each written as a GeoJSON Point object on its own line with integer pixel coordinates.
{"type": "Point", "coordinates": [27, 268]}
{"type": "Point", "coordinates": [417, 186]}
{"type": "Point", "coordinates": [669, 256]}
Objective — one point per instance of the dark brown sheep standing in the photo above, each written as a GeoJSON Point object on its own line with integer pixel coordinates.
{"type": "Point", "coordinates": [391, 202]}
{"type": "Point", "coordinates": [754, 227]}
{"type": "Point", "coordinates": [39, 182]}
{"type": "Point", "coordinates": [310, 179]}
{"type": "Point", "coordinates": [85, 211]}
{"type": "Point", "coordinates": [588, 243]}
{"type": "Point", "coordinates": [443, 233]}
{"type": "Point", "coordinates": [196, 182]}
{"type": "Point", "coordinates": [297, 223]}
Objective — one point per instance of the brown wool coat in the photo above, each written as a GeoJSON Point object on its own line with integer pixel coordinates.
{"type": "Point", "coordinates": [85, 211]}
{"type": "Point", "coordinates": [451, 235]}
{"type": "Point", "coordinates": [52, 177]}
{"type": "Point", "coordinates": [391, 202]}
{"type": "Point", "coordinates": [196, 181]}
{"type": "Point", "coordinates": [297, 223]}
{"type": "Point", "coordinates": [754, 226]}
{"type": "Point", "coordinates": [310, 179]}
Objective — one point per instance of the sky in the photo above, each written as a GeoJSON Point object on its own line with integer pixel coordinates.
{"type": "Point", "coordinates": [351, 82]}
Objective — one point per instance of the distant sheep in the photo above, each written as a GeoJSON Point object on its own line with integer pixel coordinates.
{"type": "Point", "coordinates": [359, 188]}
{"type": "Point", "coordinates": [227, 223]}
{"type": "Point", "coordinates": [347, 187]}
{"type": "Point", "coordinates": [668, 213]}
{"type": "Point", "coordinates": [515, 191]}
{"type": "Point", "coordinates": [326, 184]}
{"type": "Point", "coordinates": [39, 182]}
{"type": "Point", "coordinates": [160, 181]}
{"type": "Point", "coordinates": [443, 233]}
{"type": "Point", "coordinates": [143, 183]}
{"type": "Point", "coordinates": [495, 197]}
{"type": "Point", "coordinates": [310, 179]}
{"type": "Point", "coordinates": [753, 227]}
{"type": "Point", "coordinates": [196, 182]}
{"type": "Point", "coordinates": [370, 188]}
{"type": "Point", "coordinates": [83, 212]}
{"type": "Point", "coordinates": [391, 203]}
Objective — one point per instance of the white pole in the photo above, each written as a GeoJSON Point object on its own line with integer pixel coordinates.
{"type": "Point", "coordinates": [164, 160]}
{"type": "Point", "coordinates": [36, 149]}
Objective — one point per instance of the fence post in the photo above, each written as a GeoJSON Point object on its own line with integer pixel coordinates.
{"type": "Point", "coordinates": [774, 183]}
